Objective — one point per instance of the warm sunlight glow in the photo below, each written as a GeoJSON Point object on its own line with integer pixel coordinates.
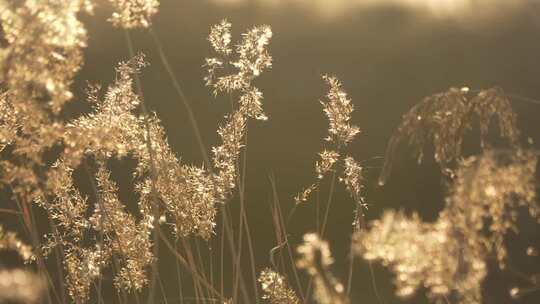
{"type": "Point", "coordinates": [436, 8]}
{"type": "Point", "coordinates": [127, 176]}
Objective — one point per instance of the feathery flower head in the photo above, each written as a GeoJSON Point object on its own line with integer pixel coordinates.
{"type": "Point", "coordinates": [338, 108]}
{"type": "Point", "coordinates": [423, 255]}
{"type": "Point", "coordinates": [275, 288]}
{"type": "Point", "coordinates": [304, 195]}
{"type": "Point", "coordinates": [220, 37]}
{"type": "Point", "coordinates": [488, 192]}
{"type": "Point", "coordinates": [328, 159]}
{"type": "Point", "coordinates": [10, 241]}
{"type": "Point", "coordinates": [444, 118]}
{"type": "Point", "coordinates": [250, 60]}
{"type": "Point", "coordinates": [316, 259]}
{"type": "Point", "coordinates": [449, 256]}
{"type": "Point", "coordinates": [353, 179]}
{"type": "Point", "coordinates": [43, 52]}
{"type": "Point", "coordinates": [130, 14]}
{"type": "Point", "coordinates": [314, 254]}
{"type": "Point", "coordinates": [20, 286]}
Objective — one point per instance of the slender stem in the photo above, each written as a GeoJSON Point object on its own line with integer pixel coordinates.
{"type": "Point", "coordinates": [222, 253]}
{"type": "Point", "coordinates": [329, 202]}
{"type": "Point", "coordinates": [162, 289]}
{"type": "Point", "coordinates": [108, 218]}
{"type": "Point", "coordinates": [361, 225]}
{"type": "Point", "coordinates": [230, 238]}
{"type": "Point", "coordinates": [251, 258]}
{"type": "Point", "coordinates": [193, 272]}
{"type": "Point", "coordinates": [10, 211]}
{"type": "Point", "coordinates": [183, 98]}
{"type": "Point", "coordinates": [35, 242]}
{"type": "Point", "coordinates": [243, 214]}
{"type": "Point", "coordinates": [179, 275]}
{"type": "Point", "coordinates": [201, 261]}
{"type": "Point", "coordinates": [211, 263]}
{"type": "Point", "coordinates": [197, 286]}
{"type": "Point", "coordinates": [153, 174]}
{"type": "Point", "coordinates": [58, 257]}
{"type": "Point", "coordinates": [284, 231]}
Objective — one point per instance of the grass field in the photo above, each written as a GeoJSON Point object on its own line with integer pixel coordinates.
{"type": "Point", "coordinates": [269, 152]}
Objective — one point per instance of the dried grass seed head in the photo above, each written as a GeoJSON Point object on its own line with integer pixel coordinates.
{"type": "Point", "coordinates": [275, 288]}
{"type": "Point", "coordinates": [315, 257]}
{"type": "Point", "coordinates": [131, 14]}
{"type": "Point", "coordinates": [338, 108]}
{"type": "Point", "coordinates": [443, 119]}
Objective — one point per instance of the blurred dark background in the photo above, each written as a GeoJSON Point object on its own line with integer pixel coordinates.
{"type": "Point", "coordinates": [388, 56]}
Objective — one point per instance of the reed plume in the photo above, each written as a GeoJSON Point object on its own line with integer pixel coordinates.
{"type": "Point", "coordinates": [449, 257]}
{"type": "Point", "coordinates": [444, 118]}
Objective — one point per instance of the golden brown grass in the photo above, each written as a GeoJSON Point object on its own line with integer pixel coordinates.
{"type": "Point", "coordinates": [184, 209]}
